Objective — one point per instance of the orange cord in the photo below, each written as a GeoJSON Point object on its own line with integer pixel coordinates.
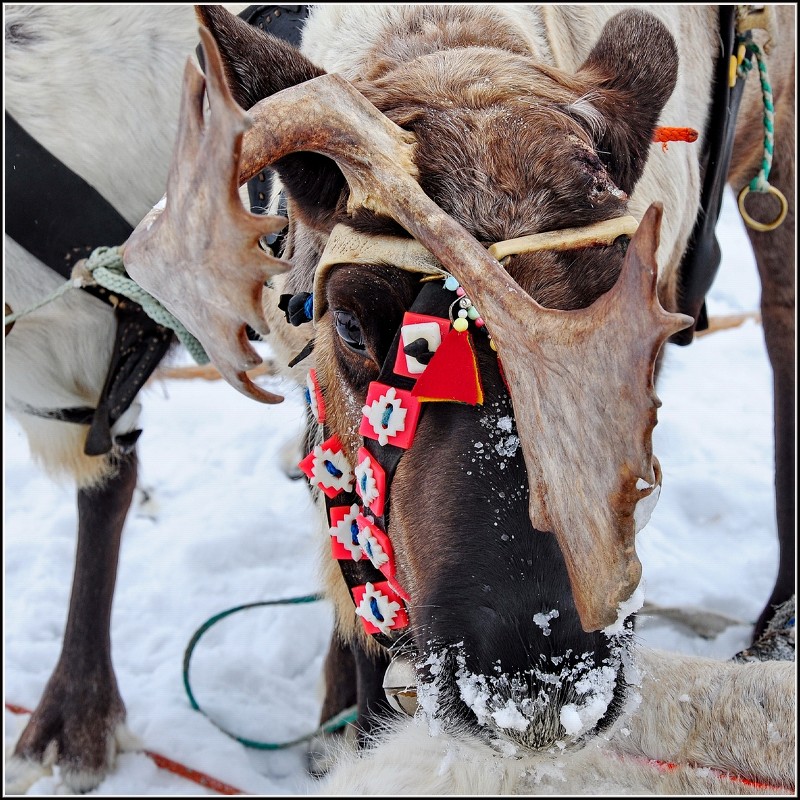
{"type": "Point", "coordinates": [169, 765]}
{"type": "Point", "coordinates": [667, 134]}
{"type": "Point", "coordinates": [208, 782]}
{"type": "Point", "coordinates": [191, 774]}
{"type": "Point", "coordinates": [668, 766]}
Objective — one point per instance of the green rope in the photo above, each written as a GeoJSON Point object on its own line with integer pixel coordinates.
{"type": "Point", "coordinates": [340, 720]}
{"type": "Point", "coordinates": [106, 268]}
{"type": "Point", "coordinates": [761, 181]}
{"type": "Point", "coordinates": [70, 284]}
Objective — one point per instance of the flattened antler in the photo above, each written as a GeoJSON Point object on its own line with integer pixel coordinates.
{"type": "Point", "coordinates": [581, 381]}
{"type": "Point", "coordinates": [200, 254]}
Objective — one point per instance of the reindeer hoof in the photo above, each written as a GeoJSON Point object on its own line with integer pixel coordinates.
{"type": "Point", "coordinates": [326, 749]}
{"type": "Point", "coordinates": [22, 773]}
{"type": "Point", "coordinates": [78, 729]}
{"type": "Point", "coordinates": [776, 643]}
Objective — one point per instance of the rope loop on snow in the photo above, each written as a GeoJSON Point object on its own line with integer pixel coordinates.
{"type": "Point", "coordinates": [760, 183]}
{"type": "Point", "coordinates": [340, 720]}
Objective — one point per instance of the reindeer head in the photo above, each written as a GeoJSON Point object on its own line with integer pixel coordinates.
{"type": "Point", "coordinates": [510, 522]}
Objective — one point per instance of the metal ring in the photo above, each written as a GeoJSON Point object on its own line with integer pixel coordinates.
{"type": "Point", "coordinates": [763, 226]}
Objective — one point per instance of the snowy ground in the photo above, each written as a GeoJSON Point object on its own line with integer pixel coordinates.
{"type": "Point", "coordinates": [222, 526]}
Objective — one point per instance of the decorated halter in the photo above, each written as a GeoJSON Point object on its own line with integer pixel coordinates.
{"type": "Point", "coordinates": [432, 359]}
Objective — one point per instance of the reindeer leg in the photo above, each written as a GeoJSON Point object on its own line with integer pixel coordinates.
{"type": "Point", "coordinates": [373, 707]}
{"type": "Point", "coordinates": [776, 258]}
{"type": "Point", "coordinates": [353, 676]}
{"type": "Point", "coordinates": [340, 693]}
{"type": "Point", "coordinates": [81, 711]}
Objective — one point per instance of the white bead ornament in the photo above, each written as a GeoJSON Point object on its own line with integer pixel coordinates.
{"type": "Point", "coordinates": [385, 422]}
{"type": "Point", "coordinates": [343, 533]}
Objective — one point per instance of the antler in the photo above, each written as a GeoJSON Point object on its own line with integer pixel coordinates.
{"type": "Point", "coordinates": [582, 381]}
{"type": "Point", "coordinates": [200, 253]}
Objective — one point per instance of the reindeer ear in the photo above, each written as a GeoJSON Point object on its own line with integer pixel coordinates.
{"type": "Point", "coordinates": [632, 71]}
{"type": "Point", "coordinates": [258, 65]}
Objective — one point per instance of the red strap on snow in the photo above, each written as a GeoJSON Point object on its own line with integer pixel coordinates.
{"type": "Point", "coordinates": [162, 762]}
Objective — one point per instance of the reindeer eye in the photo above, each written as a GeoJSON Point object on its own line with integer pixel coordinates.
{"type": "Point", "coordinates": [349, 329]}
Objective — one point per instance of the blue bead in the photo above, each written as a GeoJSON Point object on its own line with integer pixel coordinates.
{"type": "Point", "coordinates": [332, 469]}
{"type": "Point", "coordinates": [373, 605]}
{"type": "Point", "coordinates": [451, 283]}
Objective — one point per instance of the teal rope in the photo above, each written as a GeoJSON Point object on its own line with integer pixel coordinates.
{"type": "Point", "coordinates": [340, 720]}
{"type": "Point", "coordinates": [107, 269]}
{"type": "Point", "coordinates": [49, 299]}
{"type": "Point", "coordinates": [761, 181]}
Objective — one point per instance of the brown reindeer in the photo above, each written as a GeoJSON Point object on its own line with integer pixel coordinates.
{"type": "Point", "coordinates": [506, 152]}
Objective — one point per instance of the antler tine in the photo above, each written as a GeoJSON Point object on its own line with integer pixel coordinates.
{"type": "Point", "coordinates": [200, 254]}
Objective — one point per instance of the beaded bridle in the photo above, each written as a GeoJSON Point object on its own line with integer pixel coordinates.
{"type": "Point", "coordinates": [432, 358]}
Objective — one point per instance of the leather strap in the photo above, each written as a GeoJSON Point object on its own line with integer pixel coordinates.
{"type": "Point", "coordinates": [50, 210]}
{"type": "Point", "coordinates": [703, 255]}
{"type": "Point", "coordinates": [433, 300]}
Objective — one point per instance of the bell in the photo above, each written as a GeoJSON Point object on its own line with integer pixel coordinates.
{"type": "Point", "coordinates": [400, 685]}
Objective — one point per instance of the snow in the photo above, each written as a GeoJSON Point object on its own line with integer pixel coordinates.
{"type": "Point", "coordinates": [217, 524]}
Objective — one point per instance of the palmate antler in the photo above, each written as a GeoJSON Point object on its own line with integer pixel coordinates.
{"type": "Point", "coordinates": [200, 254]}
{"type": "Point", "coordinates": [581, 381]}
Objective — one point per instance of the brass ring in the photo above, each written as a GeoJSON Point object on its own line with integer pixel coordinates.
{"type": "Point", "coordinates": [763, 226]}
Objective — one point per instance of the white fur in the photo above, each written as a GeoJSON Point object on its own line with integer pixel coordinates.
{"type": "Point", "coordinates": [734, 721]}
{"type": "Point", "coordinates": [672, 177]}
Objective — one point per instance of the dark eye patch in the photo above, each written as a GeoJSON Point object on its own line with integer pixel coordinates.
{"type": "Point", "coordinates": [367, 303]}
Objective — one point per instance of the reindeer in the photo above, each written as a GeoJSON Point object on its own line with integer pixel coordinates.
{"type": "Point", "coordinates": [99, 88]}
{"type": "Point", "coordinates": [483, 474]}
{"type": "Point", "coordinates": [506, 152]}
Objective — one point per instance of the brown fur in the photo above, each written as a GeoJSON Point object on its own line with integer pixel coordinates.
{"type": "Point", "coordinates": [509, 137]}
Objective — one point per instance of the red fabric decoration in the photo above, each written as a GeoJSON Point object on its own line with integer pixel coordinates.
{"type": "Point", "coordinates": [345, 550]}
{"type": "Point", "coordinates": [401, 365]}
{"type": "Point", "coordinates": [394, 618]}
{"type": "Point", "coordinates": [390, 415]}
{"type": "Point", "coordinates": [452, 374]}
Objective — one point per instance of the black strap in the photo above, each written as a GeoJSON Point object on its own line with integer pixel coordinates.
{"type": "Point", "coordinates": [434, 300]}
{"type": "Point", "coordinates": [703, 255]}
{"type": "Point", "coordinates": [139, 346]}
{"type": "Point", "coordinates": [50, 210]}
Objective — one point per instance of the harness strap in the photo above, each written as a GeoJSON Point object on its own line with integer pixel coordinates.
{"type": "Point", "coordinates": [59, 234]}
{"type": "Point", "coordinates": [703, 255]}
{"type": "Point", "coordinates": [37, 217]}
{"type": "Point", "coordinates": [432, 300]}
